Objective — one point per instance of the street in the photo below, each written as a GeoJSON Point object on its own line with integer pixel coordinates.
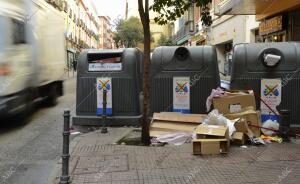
{"type": "Point", "coordinates": [31, 150]}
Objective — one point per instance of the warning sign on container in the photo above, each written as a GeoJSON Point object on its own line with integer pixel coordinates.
{"type": "Point", "coordinates": [181, 94]}
{"type": "Point", "coordinates": [271, 97]}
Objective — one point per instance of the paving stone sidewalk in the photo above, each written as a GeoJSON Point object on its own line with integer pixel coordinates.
{"type": "Point", "coordinates": [95, 159]}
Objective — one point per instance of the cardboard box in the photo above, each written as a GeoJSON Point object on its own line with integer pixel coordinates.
{"type": "Point", "coordinates": [212, 131]}
{"type": "Point", "coordinates": [211, 139]}
{"type": "Point", "coordinates": [238, 138]}
{"type": "Point", "coordinates": [234, 101]}
{"type": "Point", "coordinates": [251, 116]}
{"type": "Point", "coordinates": [210, 146]}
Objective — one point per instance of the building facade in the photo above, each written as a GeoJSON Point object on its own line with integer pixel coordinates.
{"type": "Point", "coordinates": [81, 26]}
{"type": "Point", "coordinates": [228, 30]}
{"type": "Point", "coordinates": [225, 32]}
{"type": "Point", "coordinates": [106, 40]}
{"type": "Point", "coordinates": [279, 20]}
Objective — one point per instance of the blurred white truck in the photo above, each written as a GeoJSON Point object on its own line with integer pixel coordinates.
{"type": "Point", "coordinates": [32, 54]}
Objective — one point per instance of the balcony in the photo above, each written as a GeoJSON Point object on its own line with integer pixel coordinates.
{"type": "Point", "coordinates": [183, 35]}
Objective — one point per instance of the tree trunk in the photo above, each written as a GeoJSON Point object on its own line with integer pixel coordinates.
{"type": "Point", "coordinates": [144, 15]}
{"type": "Point", "coordinates": [146, 88]}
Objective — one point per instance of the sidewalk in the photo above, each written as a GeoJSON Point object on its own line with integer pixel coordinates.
{"type": "Point", "coordinates": [95, 159]}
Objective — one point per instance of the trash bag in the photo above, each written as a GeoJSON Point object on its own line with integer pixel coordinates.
{"type": "Point", "coordinates": [269, 124]}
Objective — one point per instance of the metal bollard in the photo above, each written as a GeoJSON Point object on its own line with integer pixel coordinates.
{"type": "Point", "coordinates": [284, 126]}
{"type": "Point", "coordinates": [65, 178]}
{"type": "Point", "coordinates": [104, 128]}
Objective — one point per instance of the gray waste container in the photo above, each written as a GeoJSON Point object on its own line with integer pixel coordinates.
{"type": "Point", "coordinates": [279, 61]}
{"type": "Point", "coordinates": [118, 71]}
{"type": "Point", "coordinates": [182, 78]}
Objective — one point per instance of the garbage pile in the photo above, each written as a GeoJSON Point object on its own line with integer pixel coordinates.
{"type": "Point", "coordinates": [234, 119]}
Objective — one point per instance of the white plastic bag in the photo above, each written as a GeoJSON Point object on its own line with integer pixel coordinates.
{"type": "Point", "coordinates": [215, 118]}
{"type": "Point", "coordinates": [269, 124]}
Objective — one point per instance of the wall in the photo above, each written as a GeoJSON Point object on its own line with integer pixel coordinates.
{"type": "Point", "coordinates": [233, 28]}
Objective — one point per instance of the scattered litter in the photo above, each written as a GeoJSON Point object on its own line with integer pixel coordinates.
{"type": "Point", "coordinates": [271, 138]}
{"type": "Point", "coordinates": [245, 147]}
{"type": "Point", "coordinates": [257, 141]}
{"type": "Point", "coordinates": [269, 126]}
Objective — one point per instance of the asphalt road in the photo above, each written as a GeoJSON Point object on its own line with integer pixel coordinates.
{"type": "Point", "coordinates": [30, 149]}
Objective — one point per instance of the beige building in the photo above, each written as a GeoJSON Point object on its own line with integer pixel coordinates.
{"type": "Point", "coordinates": [105, 34]}
{"type": "Point", "coordinates": [81, 26]}
{"type": "Point", "coordinates": [158, 30]}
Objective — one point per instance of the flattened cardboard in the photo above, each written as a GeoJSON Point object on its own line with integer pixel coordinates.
{"type": "Point", "coordinates": [210, 146]}
{"type": "Point", "coordinates": [212, 131]}
{"type": "Point", "coordinates": [173, 125]}
{"type": "Point", "coordinates": [252, 117]}
{"type": "Point", "coordinates": [179, 117]}
{"type": "Point", "coordinates": [234, 100]}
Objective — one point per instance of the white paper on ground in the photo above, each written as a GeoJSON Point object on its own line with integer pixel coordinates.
{"type": "Point", "coordinates": [177, 138]}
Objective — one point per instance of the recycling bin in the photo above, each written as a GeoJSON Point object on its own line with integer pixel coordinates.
{"type": "Point", "coordinates": [119, 73]}
{"type": "Point", "coordinates": [272, 70]}
{"type": "Point", "coordinates": [181, 78]}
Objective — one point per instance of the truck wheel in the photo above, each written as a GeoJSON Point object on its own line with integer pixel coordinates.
{"type": "Point", "coordinates": [52, 95]}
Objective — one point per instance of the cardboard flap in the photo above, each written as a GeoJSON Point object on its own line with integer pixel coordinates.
{"type": "Point", "coordinates": [238, 92]}
{"type": "Point", "coordinates": [173, 125]}
{"type": "Point", "coordinates": [179, 117]}
{"type": "Point", "coordinates": [244, 112]}
{"type": "Point", "coordinates": [213, 130]}
{"type": "Point", "coordinates": [209, 140]}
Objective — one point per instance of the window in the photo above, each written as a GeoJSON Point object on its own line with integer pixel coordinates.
{"type": "Point", "coordinates": [19, 34]}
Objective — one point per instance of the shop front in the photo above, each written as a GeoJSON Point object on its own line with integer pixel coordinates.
{"type": "Point", "coordinates": [198, 39]}
{"type": "Point", "coordinates": [274, 29]}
